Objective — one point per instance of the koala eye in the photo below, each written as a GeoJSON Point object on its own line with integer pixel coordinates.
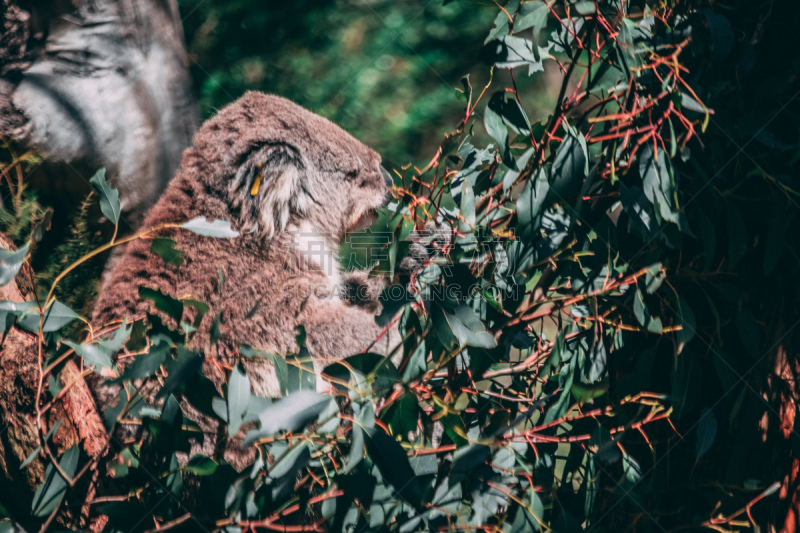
{"type": "Point", "coordinates": [351, 176]}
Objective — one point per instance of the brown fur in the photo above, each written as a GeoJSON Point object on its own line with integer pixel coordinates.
{"type": "Point", "coordinates": [314, 174]}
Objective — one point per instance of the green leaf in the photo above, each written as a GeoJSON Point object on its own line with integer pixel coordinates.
{"type": "Point", "coordinates": [281, 368]}
{"type": "Point", "coordinates": [461, 326]}
{"type": "Point", "coordinates": [125, 460]}
{"type": "Point", "coordinates": [392, 461]}
{"type": "Point", "coordinates": [561, 406]}
{"type": "Point", "coordinates": [291, 413]}
{"type": "Point", "coordinates": [506, 106]}
{"type": "Point", "coordinates": [598, 359]}
{"type": "Point", "coordinates": [643, 315]}
{"type": "Point", "coordinates": [530, 518]}
{"type": "Point", "coordinates": [530, 205]}
{"type": "Point", "coordinates": [215, 228]}
{"type": "Point", "coordinates": [403, 415]}
{"type": "Point", "coordinates": [238, 398]}
{"type": "Point", "coordinates": [447, 497]}
{"type": "Point", "coordinates": [688, 102]}
{"type": "Point", "coordinates": [92, 354]}
{"type": "Point", "coordinates": [201, 465]}
{"type": "Point", "coordinates": [364, 423]}
{"type": "Point", "coordinates": [114, 344]}
{"type": "Point", "coordinates": [38, 449]}
{"type": "Point", "coordinates": [640, 309]}
{"type": "Point", "coordinates": [500, 28]}
{"type": "Point", "coordinates": [11, 311]}
{"type": "Point", "coordinates": [570, 168]}
{"type": "Point", "coordinates": [706, 431]}
{"type": "Point", "coordinates": [300, 374]}
{"type": "Point", "coordinates": [146, 364]}
{"type": "Point", "coordinates": [585, 8]}
{"type": "Point", "coordinates": [174, 481]}
{"type": "Point", "coordinates": [187, 364]}
{"type": "Point", "coordinates": [138, 338]}
{"type": "Point", "coordinates": [56, 317]}
{"type": "Point", "coordinates": [41, 225]}
{"type": "Point", "coordinates": [50, 493]}
{"type": "Point", "coordinates": [11, 262]}
{"type": "Point", "coordinates": [468, 203]}
{"type": "Point", "coordinates": [469, 457]}
{"type": "Point", "coordinates": [287, 465]}
{"type": "Point", "coordinates": [286, 470]}
{"type": "Point", "coordinates": [659, 181]}
{"type": "Point", "coordinates": [495, 127]}
{"type": "Point", "coordinates": [584, 393]}
{"type": "Point", "coordinates": [109, 198]}
{"type": "Point", "coordinates": [512, 52]}
{"type": "Point", "coordinates": [654, 277]}
{"type": "Point", "coordinates": [167, 304]}
{"type": "Point", "coordinates": [532, 15]}
{"type": "Point", "coordinates": [639, 211]}
{"type": "Point", "coordinates": [631, 469]}
{"type": "Point", "coordinates": [365, 371]}
{"type": "Point", "coordinates": [164, 248]}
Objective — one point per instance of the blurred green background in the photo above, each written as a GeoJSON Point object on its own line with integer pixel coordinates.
{"type": "Point", "coordinates": [386, 71]}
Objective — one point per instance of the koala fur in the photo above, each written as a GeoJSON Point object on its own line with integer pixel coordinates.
{"type": "Point", "coordinates": [292, 183]}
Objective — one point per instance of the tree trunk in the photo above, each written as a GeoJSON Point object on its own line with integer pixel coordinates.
{"type": "Point", "coordinates": [96, 84]}
{"type": "Point", "coordinates": [80, 425]}
{"type": "Point", "coordinates": [89, 84]}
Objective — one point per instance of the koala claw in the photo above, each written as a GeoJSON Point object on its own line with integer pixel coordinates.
{"type": "Point", "coordinates": [439, 233]}
{"type": "Point", "coordinates": [364, 291]}
{"type": "Point", "coordinates": [434, 235]}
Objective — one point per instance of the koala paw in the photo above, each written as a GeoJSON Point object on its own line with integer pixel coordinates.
{"type": "Point", "coordinates": [434, 236]}
{"type": "Point", "coordinates": [364, 291]}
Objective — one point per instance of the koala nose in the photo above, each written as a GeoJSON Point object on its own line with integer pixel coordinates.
{"type": "Point", "coordinates": [387, 178]}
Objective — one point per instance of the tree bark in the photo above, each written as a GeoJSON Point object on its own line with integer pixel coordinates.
{"type": "Point", "coordinates": [80, 425]}
{"type": "Point", "coordinates": [88, 84]}
{"type": "Point", "coordinates": [96, 84]}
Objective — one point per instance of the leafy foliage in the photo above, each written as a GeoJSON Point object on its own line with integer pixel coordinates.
{"type": "Point", "coordinates": [578, 341]}
{"type": "Point", "coordinates": [384, 71]}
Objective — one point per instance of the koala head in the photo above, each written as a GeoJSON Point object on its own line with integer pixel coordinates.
{"type": "Point", "coordinates": [276, 164]}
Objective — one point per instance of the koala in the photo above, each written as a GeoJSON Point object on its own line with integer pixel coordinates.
{"type": "Point", "coordinates": [293, 184]}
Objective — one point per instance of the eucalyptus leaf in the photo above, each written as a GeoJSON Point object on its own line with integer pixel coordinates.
{"type": "Point", "coordinates": [532, 15]}
{"type": "Point", "coordinates": [530, 205]}
{"type": "Point", "coordinates": [201, 465]}
{"type": "Point", "coordinates": [393, 464]}
{"type": "Point", "coordinates": [461, 326]}
{"type": "Point", "coordinates": [109, 198]}
{"type": "Point", "coordinates": [570, 168]}
{"type": "Point", "coordinates": [56, 317]}
{"type": "Point", "coordinates": [210, 228]}
{"type": "Point", "coordinates": [238, 398]}
{"type": "Point", "coordinates": [164, 247]}
{"type": "Point", "coordinates": [291, 413]}
{"type": "Point", "coordinates": [52, 490]}
{"type": "Point", "coordinates": [659, 181]}
{"type": "Point", "coordinates": [92, 354]}
{"type": "Point", "coordinates": [163, 302]}
{"type": "Point", "coordinates": [706, 432]}
{"type": "Point", "coordinates": [11, 262]}
{"type": "Point", "coordinates": [187, 364]}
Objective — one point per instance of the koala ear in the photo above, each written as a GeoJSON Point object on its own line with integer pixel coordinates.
{"type": "Point", "coordinates": [267, 188]}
